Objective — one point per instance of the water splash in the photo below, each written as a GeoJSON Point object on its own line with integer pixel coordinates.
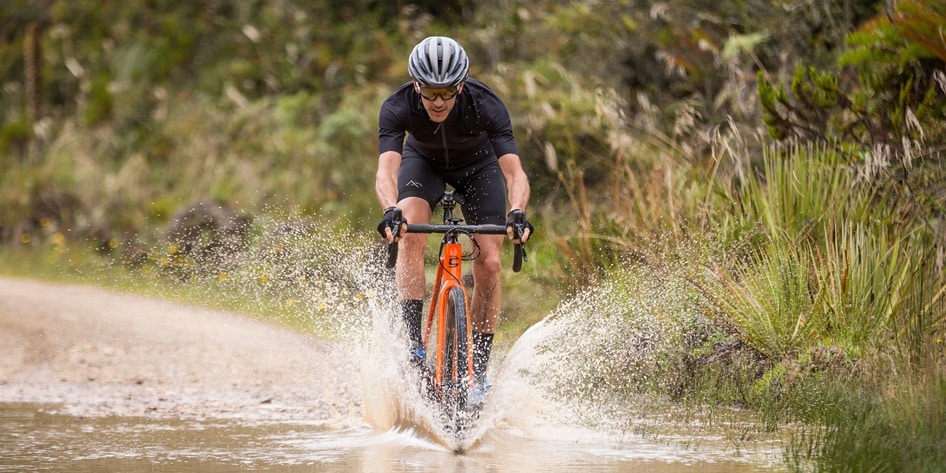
{"type": "Point", "coordinates": [580, 376]}
{"type": "Point", "coordinates": [576, 374]}
{"type": "Point", "coordinates": [392, 396]}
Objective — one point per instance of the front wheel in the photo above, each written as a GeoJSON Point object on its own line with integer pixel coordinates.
{"type": "Point", "coordinates": [458, 355]}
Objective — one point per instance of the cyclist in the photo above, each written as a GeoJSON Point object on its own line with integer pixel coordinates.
{"type": "Point", "coordinates": [458, 132]}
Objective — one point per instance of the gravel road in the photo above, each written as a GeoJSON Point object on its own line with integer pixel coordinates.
{"type": "Point", "coordinates": [95, 352]}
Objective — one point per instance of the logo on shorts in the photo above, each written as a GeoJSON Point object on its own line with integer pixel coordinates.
{"type": "Point", "coordinates": [414, 184]}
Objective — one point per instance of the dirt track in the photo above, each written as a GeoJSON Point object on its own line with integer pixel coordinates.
{"type": "Point", "coordinates": [100, 353]}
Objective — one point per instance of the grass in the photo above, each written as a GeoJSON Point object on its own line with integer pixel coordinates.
{"type": "Point", "coordinates": [894, 425]}
{"type": "Point", "coordinates": [811, 286]}
{"type": "Point", "coordinates": [839, 293]}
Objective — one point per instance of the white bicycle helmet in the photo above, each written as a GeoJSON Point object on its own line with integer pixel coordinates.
{"type": "Point", "coordinates": [438, 61]}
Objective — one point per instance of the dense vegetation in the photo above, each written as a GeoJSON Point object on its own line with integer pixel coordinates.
{"type": "Point", "coordinates": [783, 160]}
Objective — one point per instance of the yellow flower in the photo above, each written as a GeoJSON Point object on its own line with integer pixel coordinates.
{"type": "Point", "coordinates": [223, 277]}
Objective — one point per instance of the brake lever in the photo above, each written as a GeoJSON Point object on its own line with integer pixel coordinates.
{"type": "Point", "coordinates": [519, 249]}
{"type": "Point", "coordinates": [397, 222]}
{"type": "Point", "coordinates": [392, 245]}
{"type": "Point", "coordinates": [519, 231]}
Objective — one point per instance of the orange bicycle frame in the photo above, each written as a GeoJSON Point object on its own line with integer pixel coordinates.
{"type": "Point", "coordinates": [449, 274]}
{"type": "Point", "coordinates": [449, 277]}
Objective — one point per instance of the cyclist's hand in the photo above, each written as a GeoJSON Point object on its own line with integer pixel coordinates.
{"type": "Point", "coordinates": [392, 224]}
{"type": "Point", "coordinates": [518, 227]}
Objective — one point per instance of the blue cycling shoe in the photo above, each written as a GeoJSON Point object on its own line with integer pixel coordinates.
{"type": "Point", "coordinates": [477, 393]}
{"type": "Point", "coordinates": [419, 358]}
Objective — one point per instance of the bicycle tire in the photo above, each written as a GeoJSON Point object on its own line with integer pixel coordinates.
{"type": "Point", "coordinates": [458, 356]}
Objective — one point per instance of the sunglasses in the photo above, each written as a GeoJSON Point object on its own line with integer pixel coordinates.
{"type": "Point", "coordinates": [431, 93]}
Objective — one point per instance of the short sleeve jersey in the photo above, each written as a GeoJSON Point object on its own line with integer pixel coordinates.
{"type": "Point", "coordinates": [478, 128]}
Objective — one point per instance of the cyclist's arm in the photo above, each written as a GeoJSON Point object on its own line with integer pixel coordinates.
{"type": "Point", "coordinates": [517, 183]}
{"type": "Point", "coordinates": [393, 121]}
{"type": "Point", "coordinates": [385, 184]}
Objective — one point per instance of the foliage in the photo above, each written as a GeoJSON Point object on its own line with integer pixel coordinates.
{"type": "Point", "coordinates": [121, 72]}
{"type": "Point", "coordinates": [895, 81]}
{"type": "Point", "coordinates": [839, 290]}
{"type": "Point", "coordinates": [834, 267]}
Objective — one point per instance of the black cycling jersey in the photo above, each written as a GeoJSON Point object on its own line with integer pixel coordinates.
{"type": "Point", "coordinates": [478, 128]}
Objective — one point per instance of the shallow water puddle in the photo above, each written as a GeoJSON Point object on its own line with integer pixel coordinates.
{"type": "Point", "coordinates": [35, 437]}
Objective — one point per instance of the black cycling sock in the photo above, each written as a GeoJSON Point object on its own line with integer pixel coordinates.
{"type": "Point", "coordinates": [411, 311]}
{"type": "Point", "coordinates": [482, 344]}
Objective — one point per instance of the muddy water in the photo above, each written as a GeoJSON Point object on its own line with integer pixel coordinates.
{"type": "Point", "coordinates": [38, 438]}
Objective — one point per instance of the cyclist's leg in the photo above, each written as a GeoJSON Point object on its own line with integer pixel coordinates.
{"type": "Point", "coordinates": [485, 192]}
{"type": "Point", "coordinates": [487, 292]}
{"type": "Point", "coordinates": [418, 188]}
{"type": "Point", "coordinates": [409, 274]}
{"type": "Point", "coordinates": [486, 302]}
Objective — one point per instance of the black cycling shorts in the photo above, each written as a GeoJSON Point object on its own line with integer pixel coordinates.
{"type": "Point", "coordinates": [482, 185]}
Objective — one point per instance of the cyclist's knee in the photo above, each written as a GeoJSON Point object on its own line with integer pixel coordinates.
{"type": "Point", "coordinates": [415, 210]}
{"type": "Point", "coordinates": [488, 264]}
{"type": "Point", "coordinates": [414, 243]}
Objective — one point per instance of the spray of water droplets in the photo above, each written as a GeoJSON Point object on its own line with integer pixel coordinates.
{"type": "Point", "coordinates": [582, 367]}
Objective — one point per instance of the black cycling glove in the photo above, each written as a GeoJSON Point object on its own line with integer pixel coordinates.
{"type": "Point", "coordinates": [392, 219]}
{"type": "Point", "coordinates": [518, 221]}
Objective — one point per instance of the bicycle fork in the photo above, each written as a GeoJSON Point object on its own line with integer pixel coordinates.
{"type": "Point", "coordinates": [448, 276]}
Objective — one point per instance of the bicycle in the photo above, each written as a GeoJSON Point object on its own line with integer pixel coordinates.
{"type": "Point", "coordinates": [451, 376]}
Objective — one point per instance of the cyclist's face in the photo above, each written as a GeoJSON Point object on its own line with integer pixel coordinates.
{"type": "Point", "coordinates": [438, 101]}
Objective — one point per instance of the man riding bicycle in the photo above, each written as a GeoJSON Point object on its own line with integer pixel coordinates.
{"type": "Point", "coordinates": [458, 132]}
